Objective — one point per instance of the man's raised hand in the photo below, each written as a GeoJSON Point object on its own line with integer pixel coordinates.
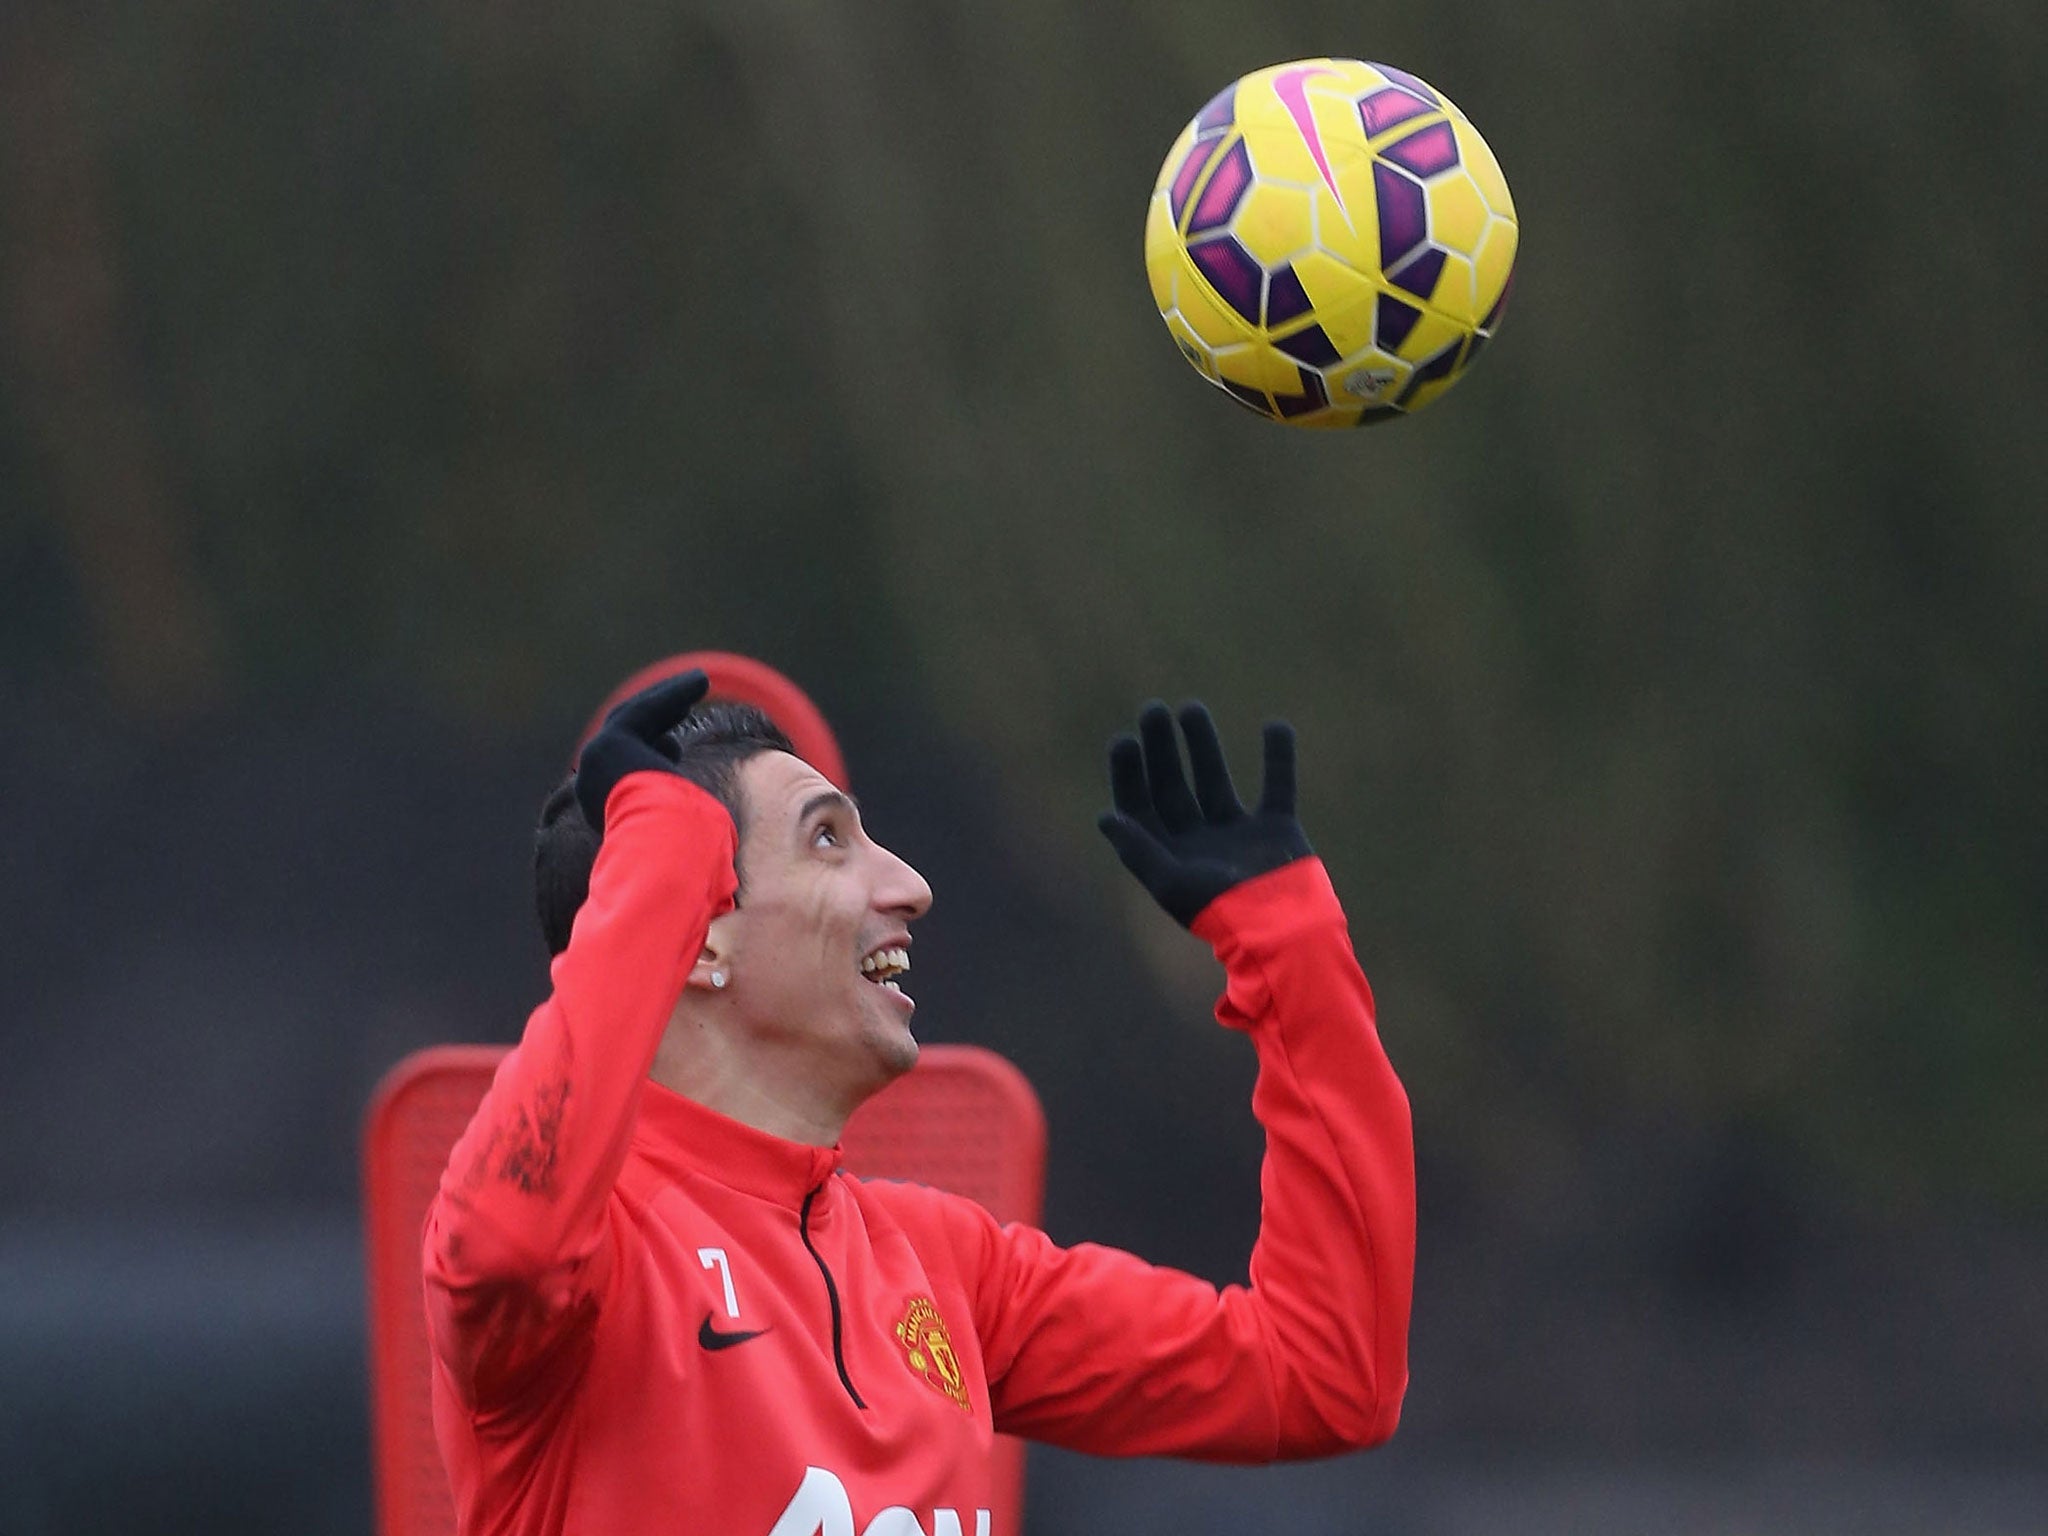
{"type": "Point", "coordinates": [1187, 847]}
{"type": "Point", "coordinates": [635, 736]}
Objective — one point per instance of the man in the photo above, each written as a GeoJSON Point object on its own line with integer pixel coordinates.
{"type": "Point", "coordinates": [656, 1303]}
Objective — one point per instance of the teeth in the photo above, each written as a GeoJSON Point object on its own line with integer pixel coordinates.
{"type": "Point", "coordinates": [884, 963]}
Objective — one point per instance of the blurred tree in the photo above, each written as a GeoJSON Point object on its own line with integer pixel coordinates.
{"type": "Point", "coordinates": [103, 475]}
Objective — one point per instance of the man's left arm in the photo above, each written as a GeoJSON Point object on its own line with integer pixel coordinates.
{"type": "Point", "coordinates": [1334, 1266]}
{"type": "Point", "coordinates": [1093, 1348]}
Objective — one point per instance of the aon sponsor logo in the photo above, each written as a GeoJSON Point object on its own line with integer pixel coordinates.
{"type": "Point", "coordinates": [821, 1508]}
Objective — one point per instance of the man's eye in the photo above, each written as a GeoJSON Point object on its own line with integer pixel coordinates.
{"type": "Point", "coordinates": [825, 837]}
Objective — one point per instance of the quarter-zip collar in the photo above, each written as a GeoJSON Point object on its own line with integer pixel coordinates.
{"type": "Point", "coordinates": [679, 1136]}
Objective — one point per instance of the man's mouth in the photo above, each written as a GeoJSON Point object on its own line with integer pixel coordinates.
{"type": "Point", "coordinates": [883, 966]}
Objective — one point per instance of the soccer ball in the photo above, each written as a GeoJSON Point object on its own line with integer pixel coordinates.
{"type": "Point", "coordinates": [1330, 242]}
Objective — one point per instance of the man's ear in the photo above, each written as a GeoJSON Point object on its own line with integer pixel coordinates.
{"type": "Point", "coordinates": [713, 970]}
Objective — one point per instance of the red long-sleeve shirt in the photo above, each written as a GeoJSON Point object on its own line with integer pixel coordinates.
{"type": "Point", "coordinates": [650, 1318]}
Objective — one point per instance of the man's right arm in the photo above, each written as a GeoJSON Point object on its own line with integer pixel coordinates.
{"type": "Point", "coordinates": [516, 1251]}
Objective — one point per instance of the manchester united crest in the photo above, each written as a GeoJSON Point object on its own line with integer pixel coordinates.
{"type": "Point", "coordinates": [929, 1349]}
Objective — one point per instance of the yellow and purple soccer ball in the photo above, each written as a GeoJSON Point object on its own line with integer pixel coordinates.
{"type": "Point", "coordinates": [1331, 242]}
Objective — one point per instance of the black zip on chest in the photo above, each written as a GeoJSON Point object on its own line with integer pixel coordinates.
{"type": "Point", "coordinates": [831, 1295]}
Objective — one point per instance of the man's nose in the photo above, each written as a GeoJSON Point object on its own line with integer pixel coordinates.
{"type": "Point", "coordinates": [903, 890]}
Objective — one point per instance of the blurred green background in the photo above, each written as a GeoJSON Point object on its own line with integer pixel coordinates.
{"type": "Point", "coordinates": [379, 384]}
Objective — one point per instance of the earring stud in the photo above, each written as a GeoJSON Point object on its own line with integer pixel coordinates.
{"type": "Point", "coordinates": [718, 978]}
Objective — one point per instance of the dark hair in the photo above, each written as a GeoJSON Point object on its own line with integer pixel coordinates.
{"type": "Point", "coordinates": [709, 748]}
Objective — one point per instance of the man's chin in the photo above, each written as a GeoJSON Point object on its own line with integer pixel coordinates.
{"type": "Point", "coordinates": [889, 1037]}
{"type": "Point", "coordinates": [898, 1052]}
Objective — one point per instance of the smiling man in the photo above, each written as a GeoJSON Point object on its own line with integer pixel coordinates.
{"type": "Point", "coordinates": [658, 1304]}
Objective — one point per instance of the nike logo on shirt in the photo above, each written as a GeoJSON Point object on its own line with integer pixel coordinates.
{"type": "Point", "coordinates": [711, 1338]}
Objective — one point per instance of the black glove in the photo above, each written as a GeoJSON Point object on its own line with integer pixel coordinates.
{"type": "Point", "coordinates": [634, 736]}
{"type": "Point", "coordinates": [1189, 848]}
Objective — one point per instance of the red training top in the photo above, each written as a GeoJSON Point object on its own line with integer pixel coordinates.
{"type": "Point", "coordinates": [650, 1318]}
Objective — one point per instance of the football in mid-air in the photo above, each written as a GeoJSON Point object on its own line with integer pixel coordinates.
{"type": "Point", "coordinates": [1331, 242]}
